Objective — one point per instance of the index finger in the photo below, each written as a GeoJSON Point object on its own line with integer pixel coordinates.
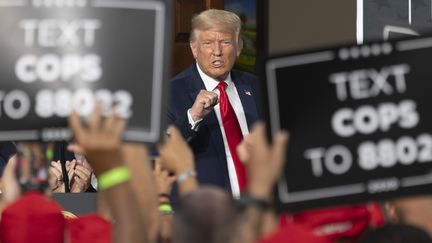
{"type": "Point", "coordinates": [243, 153]}
{"type": "Point", "coordinates": [95, 118]}
{"type": "Point", "coordinates": [76, 126]}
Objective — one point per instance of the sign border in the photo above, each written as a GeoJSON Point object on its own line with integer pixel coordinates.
{"type": "Point", "coordinates": [343, 54]}
{"type": "Point", "coordinates": [159, 7]}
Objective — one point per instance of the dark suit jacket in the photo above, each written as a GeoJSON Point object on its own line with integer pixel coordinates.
{"type": "Point", "coordinates": [207, 142]}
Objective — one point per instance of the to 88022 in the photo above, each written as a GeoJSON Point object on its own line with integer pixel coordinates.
{"type": "Point", "coordinates": [50, 103]}
{"type": "Point", "coordinates": [386, 153]}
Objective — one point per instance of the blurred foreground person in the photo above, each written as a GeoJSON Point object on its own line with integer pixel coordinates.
{"type": "Point", "coordinates": [396, 233]}
{"type": "Point", "coordinates": [34, 217]}
{"type": "Point", "coordinates": [206, 215]}
{"type": "Point", "coordinates": [209, 214]}
{"type": "Point", "coordinates": [100, 141]}
{"type": "Point", "coordinates": [416, 211]}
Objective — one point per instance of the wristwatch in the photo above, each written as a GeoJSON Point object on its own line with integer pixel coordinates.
{"type": "Point", "coordinates": [247, 200]}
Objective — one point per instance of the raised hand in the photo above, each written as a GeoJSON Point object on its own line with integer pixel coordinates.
{"type": "Point", "coordinates": [163, 179]}
{"type": "Point", "coordinates": [176, 156]}
{"type": "Point", "coordinates": [100, 140]}
{"type": "Point", "coordinates": [263, 162]}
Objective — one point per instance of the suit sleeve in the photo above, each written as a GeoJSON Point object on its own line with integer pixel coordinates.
{"type": "Point", "coordinates": [182, 123]}
{"type": "Point", "coordinates": [180, 100]}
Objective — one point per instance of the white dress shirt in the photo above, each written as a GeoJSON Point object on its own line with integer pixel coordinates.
{"type": "Point", "coordinates": [210, 85]}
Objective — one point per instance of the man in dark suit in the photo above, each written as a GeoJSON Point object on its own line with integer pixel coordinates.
{"type": "Point", "coordinates": [213, 105]}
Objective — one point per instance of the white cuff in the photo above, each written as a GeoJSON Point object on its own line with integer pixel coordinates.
{"type": "Point", "coordinates": [183, 176]}
{"type": "Point", "coordinates": [192, 123]}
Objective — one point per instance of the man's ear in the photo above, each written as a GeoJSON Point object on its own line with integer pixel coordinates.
{"type": "Point", "coordinates": [239, 45]}
{"type": "Point", "coordinates": [193, 47]}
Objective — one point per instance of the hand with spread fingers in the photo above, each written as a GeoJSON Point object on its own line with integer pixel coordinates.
{"type": "Point", "coordinates": [100, 140]}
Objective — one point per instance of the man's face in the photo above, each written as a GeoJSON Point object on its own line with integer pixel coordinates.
{"type": "Point", "coordinates": [215, 51]}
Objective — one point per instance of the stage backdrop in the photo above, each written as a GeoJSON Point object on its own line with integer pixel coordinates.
{"type": "Point", "coordinates": [384, 19]}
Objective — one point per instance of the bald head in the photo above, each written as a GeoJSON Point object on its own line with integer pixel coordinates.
{"type": "Point", "coordinates": [206, 215]}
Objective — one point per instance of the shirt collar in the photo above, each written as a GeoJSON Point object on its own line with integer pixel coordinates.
{"type": "Point", "coordinates": [210, 83]}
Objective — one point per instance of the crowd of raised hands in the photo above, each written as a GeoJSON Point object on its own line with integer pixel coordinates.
{"type": "Point", "coordinates": [134, 191]}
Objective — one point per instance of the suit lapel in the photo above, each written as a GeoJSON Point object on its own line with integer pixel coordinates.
{"type": "Point", "coordinates": [246, 94]}
{"type": "Point", "coordinates": [195, 83]}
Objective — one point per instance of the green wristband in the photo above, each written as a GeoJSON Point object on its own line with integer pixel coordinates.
{"type": "Point", "coordinates": [113, 177]}
{"type": "Point", "coordinates": [165, 209]}
{"type": "Point", "coordinates": [49, 153]}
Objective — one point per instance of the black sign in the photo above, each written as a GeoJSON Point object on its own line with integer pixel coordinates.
{"type": "Point", "coordinates": [359, 120]}
{"type": "Point", "coordinates": [59, 55]}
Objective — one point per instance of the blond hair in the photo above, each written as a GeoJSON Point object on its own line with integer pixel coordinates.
{"type": "Point", "coordinates": [216, 17]}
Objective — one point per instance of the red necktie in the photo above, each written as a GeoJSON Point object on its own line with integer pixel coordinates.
{"type": "Point", "coordinates": [233, 133]}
